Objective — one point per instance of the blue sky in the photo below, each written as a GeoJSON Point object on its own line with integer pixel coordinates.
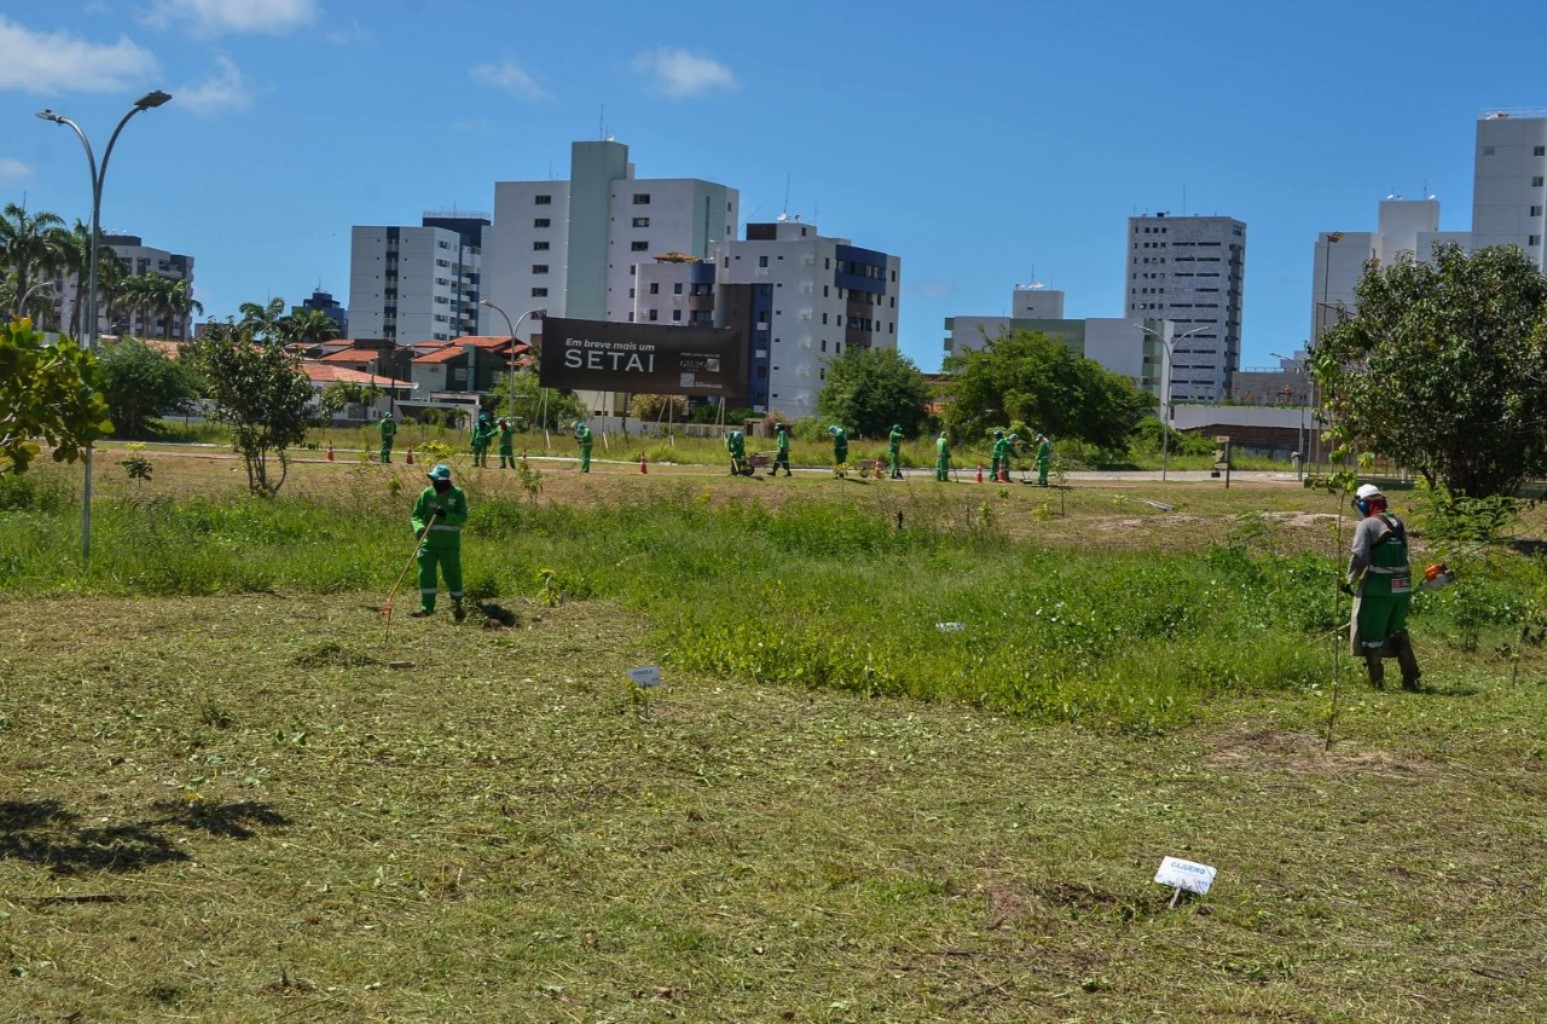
{"type": "Point", "coordinates": [980, 141]}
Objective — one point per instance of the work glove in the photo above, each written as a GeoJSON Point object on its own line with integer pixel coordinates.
{"type": "Point", "coordinates": [439, 510]}
{"type": "Point", "coordinates": [419, 533]}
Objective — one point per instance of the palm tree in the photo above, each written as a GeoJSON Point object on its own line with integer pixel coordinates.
{"type": "Point", "coordinates": [262, 322]}
{"type": "Point", "coordinates": [142, 294]}
{"type": "Point", "coordinates": [309, 326]}
{"type": "Point", "coordinates": [180, 306]}
{"type": "Point", "coordinates": [30, 245]}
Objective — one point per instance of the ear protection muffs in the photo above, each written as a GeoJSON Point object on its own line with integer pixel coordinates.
{"type": "Point", "coordinates": [1362, 506]}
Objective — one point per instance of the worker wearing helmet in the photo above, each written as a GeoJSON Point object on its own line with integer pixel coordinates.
{"type": "Point", "coordinates": [736, 444]}
{"type": "Point", "coordinates": [507, 443]}
{"type": "Point", "coordinates": [388, 429]}
{"type": "Point", "coordinates": [583, 435]}
{"type": "Point", "coordinates": [1044, 458]}
{"type": "Point", "coordinates": [894, 450]}
{"type": "Point", "coordinates": [840, 449]}
{"type": "Point", "coordinates": [781, 449]}
{"type": "Point", "coordinates": [1382, 584]}
{"type": "Point", "coordinates": [437, 520]}
{"type": "Point", "coordinates": [943, 458]}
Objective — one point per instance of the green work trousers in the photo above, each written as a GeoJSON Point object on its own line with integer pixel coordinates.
{"type": "Point", "coordinates": [449, 557]}
{"type": "Point", "coordinates": [585, 458]}
{"type": "Point", "coordinates": [894, 460]}
{"type": "Point", "coordinates": [386, 450]}
{"type": "Point", "coordinates": [1376, 619]}
{"type": "Point", "coordinates": [507, 456]}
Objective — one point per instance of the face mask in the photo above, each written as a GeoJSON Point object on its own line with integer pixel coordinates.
{"type": "Point", "coordinates": [442, 486]}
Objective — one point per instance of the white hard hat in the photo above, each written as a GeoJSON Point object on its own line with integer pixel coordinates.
{"type": "Point", "coordinates": [1368, 491]}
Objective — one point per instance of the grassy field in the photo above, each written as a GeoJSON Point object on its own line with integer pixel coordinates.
{"type": "Point", "coordinates": [231, 795]}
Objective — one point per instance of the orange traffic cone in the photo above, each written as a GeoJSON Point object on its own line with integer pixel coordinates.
{"type": "Point", "coordinates": [410, 459]}
{"type": "Point", "coordinates": [330, 451]}
{"type": "Point", "coordinates": [642, 470]}
{"type": "Point", "coordinates": [980, 474]}
{"type": "Point", "coordinates": [878, 470]}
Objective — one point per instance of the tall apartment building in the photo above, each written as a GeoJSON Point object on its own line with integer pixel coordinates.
{"type": "Point", "coordinates": [1403, 225]}
{"type": "Point", "coordinates": [409, 284]}
{"type": "Point", "coordinates": [137, 258]}
{"type": "Point", "coordinates": [1191, 271]}
{"type": "Point", "coordinates": [572, 247]}
{"type": "Point", "coordinates": [799, 298]}
{"type": "Point", "coordinates": [324, 303]}
{"type": "Point", "coordinates": [1509, 184]}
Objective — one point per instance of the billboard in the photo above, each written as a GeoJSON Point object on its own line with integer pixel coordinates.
{"type": "Point", "coordinates": [642, 359]}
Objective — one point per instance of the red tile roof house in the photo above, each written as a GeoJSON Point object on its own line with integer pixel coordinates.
{"type": "Point", "coordinates": [322, 373]}
{"type": "Point", "coordinates": [453, 374]}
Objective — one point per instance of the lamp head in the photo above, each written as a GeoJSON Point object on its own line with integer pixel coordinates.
{"type": "Point", "coordinates": [539, 312]}
{"type": "Point", "coordinates": [152, 99]}
{"type": "Point", "coordinates": [48, 115]}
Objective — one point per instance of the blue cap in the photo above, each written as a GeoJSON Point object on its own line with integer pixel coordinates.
{"type": "Point", "coordinates": [440, 472]}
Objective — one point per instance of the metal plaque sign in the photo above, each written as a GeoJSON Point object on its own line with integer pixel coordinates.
{"type": "Point", "coordinates": [646, 677]}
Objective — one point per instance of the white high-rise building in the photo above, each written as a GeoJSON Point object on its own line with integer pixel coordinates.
{"type": "Point", "coordinates": [1191, 271]}
{"type": "Point", "coordinates": [410, 284]}
{"type": "Point", "coordinates": [572, 247]}
{"type": "Point", "coordinates": [1509, 185]}
{"type": "Point", "coordinates": [1403, 225]}
{"type": "Point", "coordinates": [114, 316]}
{"type": "Point", "coordinates": [799, 298]}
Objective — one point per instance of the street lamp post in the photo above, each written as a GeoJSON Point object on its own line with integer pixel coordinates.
{"type": "Point", "coordinates": [539, 312]}
{"type": "Point", "coordinates": [149, 101]}
{"type": "Point", "coordinates": [1165, 377]}
{"type": "Point", "coordinates": [1300, 368]}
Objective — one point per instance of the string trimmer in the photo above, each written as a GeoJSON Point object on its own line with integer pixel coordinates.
{"type": "Point", "coordinates": [386, 609]}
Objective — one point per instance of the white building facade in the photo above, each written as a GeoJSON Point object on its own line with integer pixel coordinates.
{"type": "Point", "coordinates": [1192, 272]}
{"type": "Point", "coordinates": [574, 247]}
{"type": "Point", "coordinates": [800, 299]}
{"type": "Point", "coordinates": [409, 284]}
{"type": "Point", "coordinates": [115, 317]}
{"type": "Point", "coordinates": [1509, 184]}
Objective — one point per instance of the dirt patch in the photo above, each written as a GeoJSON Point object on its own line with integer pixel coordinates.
{"type": "Point", "coordinates": [1267, 749]}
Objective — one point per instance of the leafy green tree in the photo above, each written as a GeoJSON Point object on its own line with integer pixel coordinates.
{"type": "Point", "coordinates": [562, 407]}
{"type": "Point", "coordinates": [47, 393]}
{"type": "Point", "coordinates": [869, 389]}
{"type": "Point", "coordinates": [654, 408]}
{"type": "Point", "coordinates": [1028, 376]}
{"type": "Point", "coordinates": [262, 321]}
{"type": "Point", "coordinates": [140, 383]}
{"type": "Point", "coordinates": [260, 391]}
{"type": "Point", "coordinates": [1442, 368]}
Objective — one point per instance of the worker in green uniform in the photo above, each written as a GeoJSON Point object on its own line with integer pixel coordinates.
{"type": "Point", "coordinates": [999, 457]}
{"type": "Point", "coordinates": [437, 520]}
{"type": "Point", "coordinates": [840, 449]}
{"type": "Point", "coordinates": [388, 427]}
{"type": "Point", "coordinates": [781, 450]}
{"type": "Point", "coordinates": [1044, 458]}
{"type": "Point", "coordinates": [894, 450]}
{"type": "Point", "coordinates": [1382, 584]}
{"type": "Point", "coordinates": [736, 444]}
{"type": "Point", "coordinates": [943, 458]}
{"type": "Point", "coordinates": [507, 443]}
{"type": "Point", "coordinates": [483, 433]}
{"type": "Point", "coordinates": [583, 435]}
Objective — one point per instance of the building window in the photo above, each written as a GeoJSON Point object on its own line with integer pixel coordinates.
{"type": "Point", "coordinates": [1539, 151]}
{"type": "Point", "coordinates": [652, 314]}
{"type": "Point", "coordinates": [541, 222]}
{"type": "Point", "coordinates": [838, 348]}
{"type": "Point", "coordinates": [655, 288]}
{"type": "Point", "coordinates": [539, 293]}
{"type": "Point", "coordinates": [1536, 182]}
{"type": "Point", "coordinates": [1536, 211]}
{"type": "Point", "coordinates": [631, 293]}
{"type": "Point", "coordinates": [641, 222]}
{"type": "Point", "coordinates": [1533, 239]}
{"type": "Point", "coordinates": [676, 315]}
{"type": "Point", "coordinates": [543, 201]}
{"type": "Point", "coordinates": [639, 246]}
{"type": "Point", "coordinates": [539, 246]}
{"type": "Point", "coordinates": [824, 344]}
{"type": "Point", "coordinates": [539, 268]}
{"type": "Point", "coordinates": [676, 289]}
{"type": "Point", "coordinates": [762, 261]}
{"type": "Point", "coordinates": [824, 340]}
{"type": "Point", "coordinates": [641, 199]}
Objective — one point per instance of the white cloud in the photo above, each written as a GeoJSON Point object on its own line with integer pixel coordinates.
{"type": "Point", "coordinates": [678, 74]}
{"type": "Point", "coordinates": [13, 170]}
{"type": "Point", "coordinates": [208, 18]}
{"type": "Point", "coordinates": [227, 89]}
{"type": "Point", "coordinates": [51, 62]}
{"type": "Point", "coordinates": [511, 77]}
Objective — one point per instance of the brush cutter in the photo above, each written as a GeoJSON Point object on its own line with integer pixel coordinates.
{"type": "Point", "coordinates": [386, 609]}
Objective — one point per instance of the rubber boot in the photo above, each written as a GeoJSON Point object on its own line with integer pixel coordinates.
{"type": "Point", "coordinates": [1377, 670]}
{"type": "Point", "coordinates": [1411, 673]}
{"type": "Point", "coordinates": [457, 611]}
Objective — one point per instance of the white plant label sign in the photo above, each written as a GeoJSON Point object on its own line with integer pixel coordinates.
{"type": "Point", "coordinates": [950, 627]}
{"type": "Point", "coordinates": [646, 677]}
{"type": "Point", "coordinates": [1184, 874]}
